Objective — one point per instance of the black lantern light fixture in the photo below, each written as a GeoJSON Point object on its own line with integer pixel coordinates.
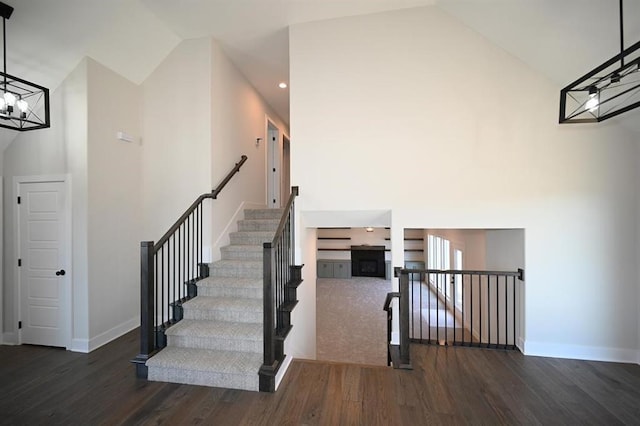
{"type": "Point", "coordinates": [23, 105]}
{"type": "Point", "coordinates": [609, 90]}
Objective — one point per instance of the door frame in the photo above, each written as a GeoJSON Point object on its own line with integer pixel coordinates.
{"type": "Point", "coordinates": [67, 237]}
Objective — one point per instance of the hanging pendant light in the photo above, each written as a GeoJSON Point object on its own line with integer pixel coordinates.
{"type": "Point", "coordinates": [23, 105]}
{"type": "Point", "coordinates": [609, 90]}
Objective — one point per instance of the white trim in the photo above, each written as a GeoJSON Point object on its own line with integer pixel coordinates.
{"type": "Point", "coordinates": [283, 369]}
{"type": "Point", "coordinates": [587, 353]}
{"type": "Point", "coordinates": [395, 338]}
{"type": "Point", "coordinates": [89, 345]}
{"type": "Point", "coordinates": [66, 180]}
{"type": "Point", "coordinates": [520, 344]}
{"type": "Point", "coordinates": [232, 226]}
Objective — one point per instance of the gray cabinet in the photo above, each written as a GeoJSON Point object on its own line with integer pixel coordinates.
{"type": "Point", "coordinates": [342, 269]}
{"type": "Point", "coordinates": [334, 268]}
{"type": "Point", "coordinates": [325, 269]}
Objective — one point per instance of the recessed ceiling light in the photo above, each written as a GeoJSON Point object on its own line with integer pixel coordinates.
{"type": "Point", "coordinates": [282, 85]}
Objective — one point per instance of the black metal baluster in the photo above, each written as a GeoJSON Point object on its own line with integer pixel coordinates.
{"type": "Point", "coordinates": [162, 286]}
{"type": "Point", "coordinates": [453, 308]}
{"type": "Point", "coordinates": [488, 310]}
{"type": "Point", "coordinates": [421, 276]}
{"type": "Point", "coordinates": [462, 308]}
{"type": "Point", "coordinates": [471, 310]}
{"type": "Point", "coordinates": [193, 247]}
{"type": "Point", "coordinates": [446, 329]}
{"type": "Point", "coordinates": [497, 311]}
{"type": "Point", "coordinates": [514, 311]}
{"type": "Point", "coordinates": [156, 296]}
{"type": "Point", "coordinates": [480, 305]}
{"type": "Point", "coordinates": [506, 312]}
{"type": "Point", "coordinates": [429, 305]}
{"type": "Point", "coordinates": [438, 277]}
{"type": "Point", "coordinates": [201, 246]}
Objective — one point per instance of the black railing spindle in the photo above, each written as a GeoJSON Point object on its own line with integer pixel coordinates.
{"type": "Point", "coordinates": [166, 267]}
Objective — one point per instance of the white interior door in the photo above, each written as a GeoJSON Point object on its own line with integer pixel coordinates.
{"type": "Point", "coordinates": [273, 166]}
{"type": "Point", "coordinates": [43, 263]}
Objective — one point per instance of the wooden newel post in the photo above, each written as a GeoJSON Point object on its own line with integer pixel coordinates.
{"type": "Point", "coordinates": [269, 365]}
{"type": "Point", "coordinates": [404, 318]}
{"type": "Point", "coordinates": [147, 345]}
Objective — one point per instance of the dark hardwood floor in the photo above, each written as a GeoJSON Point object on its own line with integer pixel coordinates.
{"type": "Point", "coordinates": [447, 386]}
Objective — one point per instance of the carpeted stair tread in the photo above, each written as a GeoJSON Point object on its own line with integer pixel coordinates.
{"type": "Point", "coordinates": [227, 369]}
{"type": "Point", "coordinates": [263, 213]}
{"type": "Point", "coordinates": [258, 225]}
{"type": "Point", "coordinates": [251, 237]}
{"type": "Point", "coordinates": [230, 282]}
{"type": "Point", "coordinates": [223, 303]}
{"type": "Point", "coordinates": [236, 269]}
{"type": "Point", "coordinates": [221, 329]}
{"type": "Point", "coordinates": [215, 286]}
{"type": "Point", "coordinates": [242, 252]}
{"type": "Point", "coordinates": [207, 360]}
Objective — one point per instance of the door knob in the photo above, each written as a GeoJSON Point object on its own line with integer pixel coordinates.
{"type": "Point", "coordinates": [60, 272]}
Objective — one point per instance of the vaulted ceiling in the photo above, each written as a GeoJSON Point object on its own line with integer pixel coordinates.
{"type": "Point", "coordinates": [47, 38]}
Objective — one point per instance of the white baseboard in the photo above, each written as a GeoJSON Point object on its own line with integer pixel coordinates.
{"type": "Point", "coordinates": [88, 345]}
{"type": "Point", "coordinates": [395, 337]}
{"type": "Point", "coordinates": [587, 353]}
{"type": "Point", "coordinates": [9, 338]}
{"type": "Point", "coordinates": [283, 369]}
{"type": "Point", "coordinates": [232, 226]}
{"type": "Point", "coordinates": [520, 344]}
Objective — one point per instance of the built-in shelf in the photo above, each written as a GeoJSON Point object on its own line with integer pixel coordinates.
{"type": "Point", "coordinates": [408, 239]}
{"type": "Point", "coordinates": [334, 238]}
{"type": "Point", "coordinates": [334, 249]}
{"type": "Point", "coordinates": [334, 228]}
{"type": "Point", "coordinates": [414, 250]}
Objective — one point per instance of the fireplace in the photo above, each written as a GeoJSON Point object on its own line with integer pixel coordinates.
{"type": "Point", "coordinates": [367, 261]}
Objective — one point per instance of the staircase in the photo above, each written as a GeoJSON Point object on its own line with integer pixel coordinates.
{"type": "Point", "coordinates": [219, 342]}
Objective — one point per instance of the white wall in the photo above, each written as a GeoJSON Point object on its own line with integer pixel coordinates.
{"type": "Point", "coordinates": [238, 118]}
{"type": "Point", "coordinates": [60, 149]}
{"type": "Point", "coordinates": [115, 205]}
{"type": "Point", "coordinates": [417, 103]}
{"type": "Point", "coordinates": [505, 249]}
{"type": "Point", "coordinates": [176, 127]}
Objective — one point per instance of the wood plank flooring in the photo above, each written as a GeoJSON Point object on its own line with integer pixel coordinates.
{"type": "Point", "coordinates": [447, 386]}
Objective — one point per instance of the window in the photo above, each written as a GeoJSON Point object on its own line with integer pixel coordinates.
{"type": "Point", "coordinates": [457, 264]}
{"type": "Point", "coordinates": [439, 258]}
{"type": "Point", "coordinates": [440, 253]}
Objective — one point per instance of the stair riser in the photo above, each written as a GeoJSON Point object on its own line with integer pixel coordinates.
{"type": "Point", "coordinates": [191, 377]}
{"type": "Point", "coordinates": [216, 343]}
{"type": "Point", "coordinates": [247, 293]}
{"type": "Point", "coordinates": [226, 315]}
{"type": "Point", "coordinates": [235, 272]}
{"type": "Point", "coordinates": [258, 225]}
{"type": "Point", "coordinates": [249, 239]}
{"type": "Point", "coordinates": [263, 214]}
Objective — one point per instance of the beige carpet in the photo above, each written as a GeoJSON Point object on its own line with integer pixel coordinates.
{"type": "Point", "coordinates": [351, 325]}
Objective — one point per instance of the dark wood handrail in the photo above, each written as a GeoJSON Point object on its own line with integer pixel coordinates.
{"type": "Point", "coordinates": [390, 297]}
{"type": "Point", "coordinates": [214, 194]}
{"type": "Point", "coordinates": [518, 274]}
{"type": "Point", "coordinates": [283, 220]}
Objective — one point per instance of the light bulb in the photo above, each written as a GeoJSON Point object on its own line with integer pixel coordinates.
{"type": "Point", "coordinates": [23, 106]}
{"type": "Point", "coordinates": [592, 103]}
{"type": "Point", "coordinates": [10, 98]}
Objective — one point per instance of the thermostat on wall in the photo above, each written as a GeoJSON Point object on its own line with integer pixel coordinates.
{"type": "Point", "coordinates": [124, 137]}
